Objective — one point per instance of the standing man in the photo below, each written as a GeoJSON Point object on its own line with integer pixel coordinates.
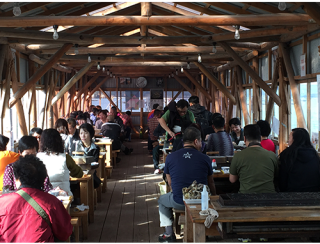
{"type": "Point", "coordinates": [152, 125]}
{"type": "Point", "coordinates": [202, 116]}
{"type": "Point", "coordinates": [182, 168]}
{"type": "Point", "coordinates": [176, 120]}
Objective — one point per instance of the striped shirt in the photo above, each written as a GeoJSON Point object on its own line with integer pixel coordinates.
{"type": "Point", "coordinates": [222, 142]}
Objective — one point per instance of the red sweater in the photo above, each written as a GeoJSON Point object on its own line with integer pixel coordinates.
{"type": "Point", "coordinates": [268, 145]}
{"type": "Point", "coordinates": [19, 222]}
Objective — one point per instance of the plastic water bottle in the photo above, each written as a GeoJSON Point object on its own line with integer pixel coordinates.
{"type": "Point", "coordinates": [204, 199]}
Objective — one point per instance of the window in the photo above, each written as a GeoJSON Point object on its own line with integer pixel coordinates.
{"type": "Point", "coordinates": [95, 99]}
{"type": "Point", "coordinates": [314, 108]}
{"type": "Point", "coordinates": [146, 100]}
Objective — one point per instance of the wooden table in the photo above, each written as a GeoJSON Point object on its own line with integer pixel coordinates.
{"type": "Point", "coordinates": [108, 147]}
{"type": "Point", "coordinates": [87, 193]}
{"type": "Point", "coordinates": [228, 216]}
{"type": "Point", "coordinates": [220, 175]}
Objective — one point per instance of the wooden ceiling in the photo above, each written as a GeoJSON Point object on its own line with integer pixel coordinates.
{"type": "Point", "coordinates": [161, 36]}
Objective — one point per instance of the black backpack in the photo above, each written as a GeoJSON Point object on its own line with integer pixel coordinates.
{"type": "Point", "coordinates": [203, 119]}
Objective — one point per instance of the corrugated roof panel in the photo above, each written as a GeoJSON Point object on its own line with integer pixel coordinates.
{"type": "Point", "coordinates": [100, 9]}
{"type": "Point", "coordinates": [188, 9]}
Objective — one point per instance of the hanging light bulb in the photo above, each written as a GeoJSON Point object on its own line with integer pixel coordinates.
{"type": "Point", "coordinates": [237, 33]}
{"type": "Point", "coordinates": [188, 65]}
{"type": "Point", "coordinates": [98, 66]}
{"type": "Point", "coordinates": [16, 9]}
{"type": "Point", "coordinates": [108, 72]}
{"type": "Point", "coordinates": [103, 69]}
{"type": "Point", "coordinates": [199, 58]}
{"type": "Point", "coordinates": [282, 6]}
{"type": "Point", "coordinates": [181, 69]}
{"type": "Point", "coordinates": [76, 51]}
{"type": "Point", "coordinates": [55, 32]}
{"type": "Point", "coordinates": [214, 48]}
{"type": "Point", "coordinates": [89, 58]}
{"type": "Point", "coordinates": [177, 72]}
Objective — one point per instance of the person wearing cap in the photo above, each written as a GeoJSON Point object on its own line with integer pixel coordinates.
{"type": "Point", "coordinates": [127, 123]}
{"type": "Point", "coordinates": [154, 107]}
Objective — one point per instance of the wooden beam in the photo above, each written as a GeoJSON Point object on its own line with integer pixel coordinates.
{"type": "Point", "coordinates": [230, 65]}
{"type": "Point", "coordinates": [249, 20]}
{"type": "Point", "coordinates": [312, 9]}
{"type": "Point", "coordinates": [253, 74]}
{"type": "Point", "coordinates": [177, 95]}
{"type": "Point", "coordinates": [42, 61]}
{"type": "Point", "coordinates": [255, 90]}
{"type": "Point", "coordinates": [243, 97]}
{"type": "Point", "coordinates": [294, 87]}
{"type": "Point", "coordinates": [40, 72]}
{"type": "Point", "coordinates": [72, 81]}
{"type": "Point", "coordinates": [184, 85]}
{"type": "Point", "coordinates": [138, 50]}
{"type": "Point", "coordinates": [215, 81]}
{"type": "Point", "coordinates": [197, 85]}
{"type": "Point", "coordinates": [89, 83]}
{"type": "Point", "coordinates": [231, 104]}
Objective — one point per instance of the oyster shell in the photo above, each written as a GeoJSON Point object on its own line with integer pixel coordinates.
{"type": "Point", "coordinates": [194, 191]}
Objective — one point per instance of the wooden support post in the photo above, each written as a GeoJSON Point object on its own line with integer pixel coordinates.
{"type": "Point", "coordinates": [305, 51]}
{"type": "Point", "coordinates": [274, 88]}
{"type": "Point", "coordinates": [253, 74]}
{"type": "Point", "coordinates": [294, 87]}
{"type": "Point", "coordinates": [243, 97]}
{"type": "Point", "coordinates": [197, 85]}
{"type": "Point", "coordinates": [6, 96]}
{"type": "Point", "coordinates": [184, 85]}
{"type": "Point", "coordinates": [223, 98]}
{"type": "Point", "coordinates": [202, 97]}
{"type": "Point", "coordinates": [72, 81]}
{"type": "Point", "coordinates": [19, 107]}
{"type": "Point", "coordinates": [230, 109]}
{"type": "Point", "coordinates": [213, 103]}
{"type": "Point", "coordinates": [42, 114]}
{"type": "Point", "coordinates": [165, 90]}
{"type": "Point", "coordinates": [283, 117]}
{"type": "Point", "coordinates": [40, 72]}
{"type": "Point", "coordinates": [33, 108]}
{"type": "Point", "coordinates": [80, 86]}
{"type": "Point", "coordinates": [62, 103]}
{"type": "Point", "coordinates": [215, 81]}
{"type": "Point", "coordinates": [255, 98]}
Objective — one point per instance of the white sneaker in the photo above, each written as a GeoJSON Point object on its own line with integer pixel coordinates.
{"type": "Point", "coordinates": [157, 171]}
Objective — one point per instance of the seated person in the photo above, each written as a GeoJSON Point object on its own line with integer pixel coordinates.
{"type": "Point", "coordinates": [159, 131]}
{"type": "Point", "coordinates": [86, 144]}
{"type": "Point", "coordinates": [182, 168]}
{"type": "Point", "coordinates": [73, 136]}
{"type": "Point", "coordinates": [236, 130]}
{"type": "Point", "coordinates": [6, 157]}
{"type": "Point", "coordinates": [117, 118]}
{"type": "Point", "coordinates": [81, 119]}
{"type": "Point", "coordinates": [265, 132]}
{"type": "Point", "coordinates": [113, 130]}
{"type": "Point", "coordinates": [36, 132]}
{"type": "Point", "coordinates": [61, 126]}
{"type": "Point", "coordinates": [152, 125]}
{"type": "Point", "coordinates": [220, 140]}
{"type": "Point", "coordinates": [299, 164]}
{"type": "Point", "coordinates": [127, 123]}
{"type": "Point", "coordinates": [28, 145]}
{"type": "Point", "coordinates": [93, 115]}
{"type": "Point", "coordinates": [210, 129]}
{"type": "Point", "coordinates": [59, 165]}
{"type": "Point", "coordinates": [103, 119]}
{"type": "Point", "coordinates": [20, 222]}
{"type": "Point", "coordinates": [255, 167]}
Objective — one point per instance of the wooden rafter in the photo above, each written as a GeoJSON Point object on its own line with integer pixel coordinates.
{"type": "Point", "coordinates": [266, 7]}
{"type": "Point", "coordinates": [229, 8]}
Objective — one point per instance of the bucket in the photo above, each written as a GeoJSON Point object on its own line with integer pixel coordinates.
{"type": "Point", "coordinates": [163, 188]}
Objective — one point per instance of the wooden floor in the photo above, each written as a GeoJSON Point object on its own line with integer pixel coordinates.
{"type": "Point", "coordinates": [129, 209]}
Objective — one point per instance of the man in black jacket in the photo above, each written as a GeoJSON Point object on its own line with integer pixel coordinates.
{"type": "Point", "coordinates": [203, 117]}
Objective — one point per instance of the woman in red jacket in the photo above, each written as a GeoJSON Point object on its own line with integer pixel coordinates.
{"type": "Point", "coordinates": [19, 221]}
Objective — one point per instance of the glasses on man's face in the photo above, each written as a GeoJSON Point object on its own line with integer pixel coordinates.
{"type": "Point", "coordinates": [182, 111]}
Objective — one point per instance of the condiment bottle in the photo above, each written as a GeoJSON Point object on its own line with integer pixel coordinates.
{"type": "Point", "coordinates": [204, 199]}
{"type": "Point", "coordinates": [214, 164]}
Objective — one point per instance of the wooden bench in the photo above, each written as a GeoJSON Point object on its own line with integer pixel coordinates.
{"type": "Point", "coordinates": [177, 215]}
{"type": "Point", "coordinates": [114, 157]}
{"type": "Point", "coordinates": [75, 223]}
{"type": "Point", "coordinates": [83, 217]}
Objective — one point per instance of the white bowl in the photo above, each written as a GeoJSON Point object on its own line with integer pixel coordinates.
{"type": "Point", "coordinates": [225, 170]}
